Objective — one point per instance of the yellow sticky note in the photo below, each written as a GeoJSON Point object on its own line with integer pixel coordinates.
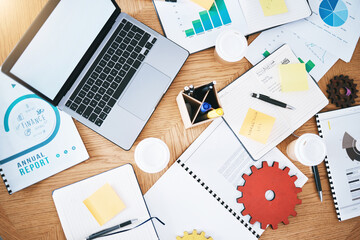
{"type": "Point", "coordinates": [273, 7]}
{"type": "Point", "coordinates": [293, 77]}
{"type": "Point", "coordinates": [104, 204]}
{"type": "Point", "coordinates": [204, 3]}
{"type": "Point", "coordinates": [257, 126]}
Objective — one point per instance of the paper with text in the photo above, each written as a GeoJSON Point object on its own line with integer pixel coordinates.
{"type": "Point", "coordinates": [273, 7]}
{"type": "Point", "coordinates": [264, 79]}
{"type": "Point", "coordinates": [293, 77]}
{"type": "Point", "coordinates": [257, 126]}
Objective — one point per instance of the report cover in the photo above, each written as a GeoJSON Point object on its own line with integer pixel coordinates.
{"type": "Point", "coordinates": [36, 139]}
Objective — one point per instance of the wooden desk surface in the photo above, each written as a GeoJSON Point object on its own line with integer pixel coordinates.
{"type": "Point", "coordinates": [31, 214]}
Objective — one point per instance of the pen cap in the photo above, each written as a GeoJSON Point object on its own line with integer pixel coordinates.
{"type": "Point", "coordinates": [309, 149]}
{"type": "Point", "coordinates": [230, 46]}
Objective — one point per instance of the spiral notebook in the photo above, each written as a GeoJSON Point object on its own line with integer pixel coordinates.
{"type": "Point", "coordinates": [341, 132]}
{"type": "Point", "coordinates": [199, 190]}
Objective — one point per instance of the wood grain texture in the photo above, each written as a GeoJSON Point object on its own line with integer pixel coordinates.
{"type": "Point", "coordinates": [31, 214]}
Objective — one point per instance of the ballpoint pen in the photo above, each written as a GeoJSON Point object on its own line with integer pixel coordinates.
{"type": "Point", "coordinates": [317, 181]}
{"type": "Point", "coordinates": [271, 101]}
{"type": "Point", "coordinates": [107, 230]}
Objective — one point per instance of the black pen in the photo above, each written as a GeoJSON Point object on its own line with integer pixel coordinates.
{"type": "Point", "coordinates": [271, 101]}
{"type": "Point", "coordinates": [107, 230]}
{"type": "Point", "coordinates": [317, 181]}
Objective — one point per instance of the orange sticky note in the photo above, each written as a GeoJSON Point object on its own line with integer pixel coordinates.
{"type": "Point", "coordinates": [104, 204]}
{"type": "Point", "coordinates": [257, 126]}
{"type": "Point", "coordinates": [293, 77]}
{"type": "Point", "coordinates": [273, 7]}
{"type": "Point", "coordinates": [204, 3]}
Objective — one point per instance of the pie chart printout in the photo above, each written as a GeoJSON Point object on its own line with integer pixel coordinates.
{"type": "Point", "coordinates": [333, 12]}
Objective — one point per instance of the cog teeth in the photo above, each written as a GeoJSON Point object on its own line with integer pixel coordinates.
{"type": "Point", "coordinates": [239, 200]}
{"type": "Point", "coordinates": [286, 170]}
{"type": "Point", "coordinates": [245, 177]}
{"type": "Point", "coordinates": [253, 168]}
{"type": "Point", "coordinates": [240, 188]}
{"type": "Point", "coordinates": [286, 221]}
{"type": "Point", "coordinates": [274, 226]}
{"type": "Point", "coordinates": [298, 201]}
{"type": "Point", "coordinates": [293, 214]}
{"type": "Point", "coordinates": [276, 164]}
{"type": "Point", "coordinates": [294, 178]}
{"type": "Point", "coordinates": [202, 234]}
{"type": "Point", "coordinates": [265, 164]}
{"type": "Point", "coordinates": [298, 190]}
{"type": "Point", "coordinates": [244, 212]}
{"type": "Point", "coordinates": [252, 221]}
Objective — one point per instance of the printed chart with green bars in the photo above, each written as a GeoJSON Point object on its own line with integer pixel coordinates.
{"type": "Point", "coordinates": [217, 16]}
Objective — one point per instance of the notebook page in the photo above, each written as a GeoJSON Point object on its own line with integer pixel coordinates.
{"type": "Point", "coordinates": [184, 205]}
{"type": "Point", "coordinates": [256, 20]}
{"type": "Point", "coordinates": [264, 78]}
{"type": "Point", "coordinates": [340, 131]}
{"type": "Point", "coordinates": [77, 221]}
{"type": "Point", "coordinates": [222, 168]}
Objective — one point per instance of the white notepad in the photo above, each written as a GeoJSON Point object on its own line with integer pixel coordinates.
{"type": "Point", "coordinates": [341, 132]}
{"type": "Point", "coordinates": [263, 78]}
{"type": "Point", "coordinates": [77, 221]}
{"type": "Point", "coordinates": [199, 190]}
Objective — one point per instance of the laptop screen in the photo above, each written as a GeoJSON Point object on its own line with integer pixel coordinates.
{"type": "Point", "coordinates": [60, 43]}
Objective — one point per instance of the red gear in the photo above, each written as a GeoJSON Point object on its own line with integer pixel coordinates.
{"type": "Point", "coordinates": [253, 195]}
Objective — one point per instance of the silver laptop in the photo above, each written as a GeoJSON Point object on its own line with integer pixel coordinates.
{"type": "Point", "coordinates": [103, 67]}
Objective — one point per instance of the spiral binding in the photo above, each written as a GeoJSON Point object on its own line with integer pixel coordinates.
{"type": "Point", "coordinates": [328, 171]}
{"type": "Point", "coordinates": [247, 225]}
{"type": "Point", "coordinates": [5, 181]}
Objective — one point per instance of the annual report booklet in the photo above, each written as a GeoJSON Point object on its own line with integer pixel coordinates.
{"type": "Point", "coordinates": [36, 139]}
{"type": "Point", "coordinates": [341, 132]}
{"type": "Point", "coordinates": [195, 28]}
{"type": "Point", "coordinates": [199, 191]}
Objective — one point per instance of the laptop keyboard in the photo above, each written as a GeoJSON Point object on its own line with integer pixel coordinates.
{"type": "Point", "coordinates": [112, 70]}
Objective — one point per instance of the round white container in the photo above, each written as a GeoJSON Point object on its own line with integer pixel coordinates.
{"type": "Point", "coordinates": [309, 149]}
{"type": "Point", "coordinates": [152, 155]}
{"type": "Point", "coordinates": [230, 47]}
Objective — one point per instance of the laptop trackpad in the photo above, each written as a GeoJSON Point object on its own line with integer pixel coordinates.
{"type": "Point", "coordinates": [144, 92]}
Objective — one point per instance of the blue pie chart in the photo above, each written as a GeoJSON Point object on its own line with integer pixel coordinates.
{"type": "Point", "coordinates": [333, 12]}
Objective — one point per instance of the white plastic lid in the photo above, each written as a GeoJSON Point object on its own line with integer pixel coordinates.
{"type": "Point", "coordinates": [310, 149]}
{"type": "Point", "coordinates": [152, 155]}
{"type": "Point", "coordinates": [231, 45]}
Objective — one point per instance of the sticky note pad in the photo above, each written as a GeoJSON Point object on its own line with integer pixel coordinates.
{"type": "Point", "coordinates": [257, 126]}
{"type": "Point", "coordinates": [273, 7]}
{"type": "Point", "coordinates": [204, 3]}
{"type": "Point", "coordinates": [293, 77]}
{"type": "Point", "coordinates": [104, 204]}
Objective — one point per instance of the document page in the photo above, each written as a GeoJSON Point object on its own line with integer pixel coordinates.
{"type": "Point", "coordinates": [341, 133]}
{"type": "Point", "coordinates": [219, 160]}
{"type": "Point", "coordinates": [257, 21]}
{"type": "Point", "coordinates": [264, 79]}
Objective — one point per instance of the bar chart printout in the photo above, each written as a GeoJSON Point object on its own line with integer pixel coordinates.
{"type": "Point", "coordinates": [217, 16]}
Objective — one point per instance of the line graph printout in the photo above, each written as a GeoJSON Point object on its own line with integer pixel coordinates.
{"type": "Point", "coordinates": [317, 60]}
{"type": "Point", "coordinates": [195, 28]}
{"type": "Point", "coordinates": [334, 25]}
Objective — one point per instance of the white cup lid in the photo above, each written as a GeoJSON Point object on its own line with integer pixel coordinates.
{"type": "Point", "coordinates": [152, 155]}
{"type": "Point", "coordinates": [310, 149]}
{"type": "Point", "coordinates": [231, 45]}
